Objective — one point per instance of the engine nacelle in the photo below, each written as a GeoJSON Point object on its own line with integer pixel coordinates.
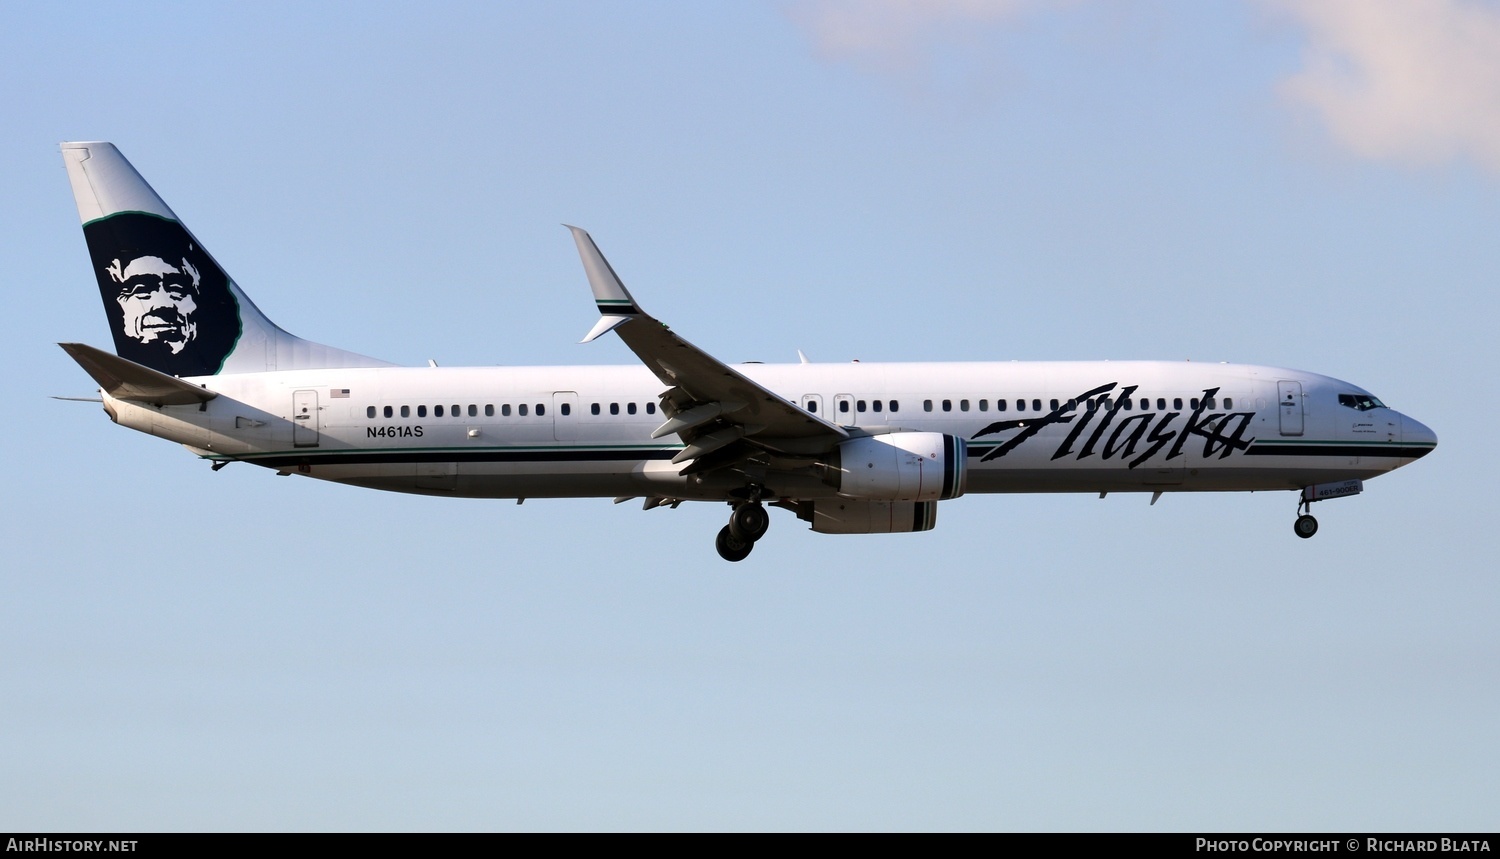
{"type": "Point", "coordinates": [901, 466]}
{"type": "Point", "coordinates": [837, 516]}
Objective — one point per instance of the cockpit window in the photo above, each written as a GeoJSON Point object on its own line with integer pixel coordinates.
{"type": "Point", "coordinates": [1360, 402]}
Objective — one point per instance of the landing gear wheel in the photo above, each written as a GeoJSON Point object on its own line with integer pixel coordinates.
{"type": "Point", "coordinates": [1305, 526]}
{"type": "Point", "coordinates": [749, 522]}
{"type": "Point", "coordinates": [731, 548]}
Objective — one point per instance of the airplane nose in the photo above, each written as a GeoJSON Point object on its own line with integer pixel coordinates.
{"type": "Point", "coordinates": [1417, 437]}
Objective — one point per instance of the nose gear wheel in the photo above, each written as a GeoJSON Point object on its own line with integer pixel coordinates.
{"type": "Point", "coordinates": [1305, 526]}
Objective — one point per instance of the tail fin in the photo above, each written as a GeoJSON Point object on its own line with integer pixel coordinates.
{"type": "Point", "coordinates": [170, 306]}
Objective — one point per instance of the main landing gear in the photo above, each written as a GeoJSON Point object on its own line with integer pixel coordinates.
{"type": "Point", "coordinates": [747, 524]}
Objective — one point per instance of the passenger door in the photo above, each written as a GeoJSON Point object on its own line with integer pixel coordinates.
{"type": "Point", "coordinates": [1289, 394]}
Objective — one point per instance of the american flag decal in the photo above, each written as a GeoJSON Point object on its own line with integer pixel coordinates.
{"type": "Point", "coordinates": [338, 393]}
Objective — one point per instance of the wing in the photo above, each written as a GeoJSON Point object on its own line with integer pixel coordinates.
{"type": "Point", "coordinates": [725, 419]}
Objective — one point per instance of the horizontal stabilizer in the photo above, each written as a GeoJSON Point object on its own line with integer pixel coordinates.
{"type": "Point", "coordinates": [127, 380]}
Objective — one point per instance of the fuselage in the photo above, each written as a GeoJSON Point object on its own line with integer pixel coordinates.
{"type": "Point", "coordinates": [586, 431]}
{"type": "Point", "coordinates": [858, 448]}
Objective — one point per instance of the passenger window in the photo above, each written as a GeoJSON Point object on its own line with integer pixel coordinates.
{"type": "Point", "coordinates": [1054, 405]}
{"type": "Point", "coordinates": [421, 411]}
{"type": "Point", "coordinates": [1145, 404]}
{"type": "Point", "coordinates": [651, 408]}
{"type": "Point", "coordinates": [927, 405]}
{"type": "Point", "coordinates": [489, 410]}
{"type": "Point", "coordinates": [520, 410]}
{"type": "Point", "coordinates": [1020, 405]}
{"type": "Point", "coordinates": [876, 405]}
{"type": "Point", "coordinates": [406, 411]}
{"type": "Point", "coordinates": [1177, 403]}
{"type": "Point", "coordinates": [629, 408]}
{"type": "Point", "coordinates": [1125, 404]}
{"type": "Point", "coordinates": [504, 410]}
{"type": "Point", "coordinates": [947, 405]}
{"type": "Point", "coordinates": [456, 410]}
{"type": "Point", "coordinates": [1229, 402]}
{"type": "Point", "coordinates": [437, 411]}
{"type": "Point", "coordinates": [1000, 405]}
{"type": "Point", "coordinates": [1092, 404]}
{"type": "Point", "coordinates": [895, 405]}
{"type": "Point", "coordinates": [614, 408]}
{"type": "Point", "coordinates": [1036, 405]}
{"type": "Point", "coordinates": [594, 409]}
{"type": "Point", "coordinates": [984, 405]}
{"type": "Point", "coordinates": [1105, 403]}
{"type": "Point", "coordinates": [1208, 403]}
{"type": "Point", "coordinates": [859, 406]}
{"type": "Point", "coordinates": [473, 410]}
{"type": "Point", "coordinates": [1161, 404]}
{"type": "Point", "coordinates": [1194, 403]}
{"type": "Point", "coordinates": [370, 412]}
{"type": "Point", "coordinates": [541, 409]}
{"type": "Point", "coordinates": [963, 405]}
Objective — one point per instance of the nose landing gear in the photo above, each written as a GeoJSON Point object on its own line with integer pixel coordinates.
{"type": "Point", "coordinates": [747, 524]}
{"type": "Point", "coordinates": [1306, 525]}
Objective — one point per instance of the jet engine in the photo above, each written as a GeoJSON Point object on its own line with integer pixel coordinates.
{"type": "Point", "coordinates": [900, 466]}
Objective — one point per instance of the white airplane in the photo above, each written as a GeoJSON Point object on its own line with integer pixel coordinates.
{"type": "Point", "coordinates": [858, 448]}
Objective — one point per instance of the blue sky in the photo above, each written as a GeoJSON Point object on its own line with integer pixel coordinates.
{"type": "Point", "coordinates": [1309, 185]}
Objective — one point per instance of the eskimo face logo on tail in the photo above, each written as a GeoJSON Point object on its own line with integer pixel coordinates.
{"type": "Point", "coordinates": [159, 299]}
{"type": "Point", "coordinates": [169, 304]}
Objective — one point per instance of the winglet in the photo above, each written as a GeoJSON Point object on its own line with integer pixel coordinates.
{"type": "Point", "coordinates": [616, 307]}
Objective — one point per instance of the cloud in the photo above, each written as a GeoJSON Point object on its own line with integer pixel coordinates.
{"type": "Point", "coordinates": [899, 35]}
{"type": "Point", "coordinates": [1409, 81]}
